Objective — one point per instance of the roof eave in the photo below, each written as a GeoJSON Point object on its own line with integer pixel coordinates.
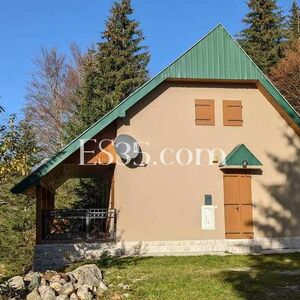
{"type": "Point", "coordinates": [252, 167]}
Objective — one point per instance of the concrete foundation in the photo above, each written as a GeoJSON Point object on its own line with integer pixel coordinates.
{"type": "Point", "coordinates": [56, 256]}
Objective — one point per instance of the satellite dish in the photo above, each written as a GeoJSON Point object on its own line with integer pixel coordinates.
{"type": "Point", "coordinates": [126, 146]}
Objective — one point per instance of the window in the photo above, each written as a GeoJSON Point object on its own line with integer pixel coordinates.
{"type": "Point", "coordinates": [232, 113]}
{"type": "Point", "coordinates": [205, 112]}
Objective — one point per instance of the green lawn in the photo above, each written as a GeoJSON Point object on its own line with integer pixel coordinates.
{"type": "Point", "coordinates": [204, 277]}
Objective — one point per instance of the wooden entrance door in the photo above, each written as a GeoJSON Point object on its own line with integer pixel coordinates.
{"type": "Point", "coordinates": [238, 206]}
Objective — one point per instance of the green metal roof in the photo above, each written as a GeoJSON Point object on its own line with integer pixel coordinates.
{"type": "Point", "coordinates": [239, 154]}
{"type": "Point", "coordinates": [217, 56]}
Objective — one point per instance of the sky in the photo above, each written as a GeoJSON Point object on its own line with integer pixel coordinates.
{"type": "Point", "coordinates": [170, 27]}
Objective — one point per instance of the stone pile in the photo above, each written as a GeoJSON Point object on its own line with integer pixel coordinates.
{"type": "Point", "coordinates": [84, 283]}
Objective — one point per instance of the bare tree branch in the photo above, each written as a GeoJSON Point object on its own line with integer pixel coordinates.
{"type": "Point", "coordinates": [286, 75]}
{"type": "Point", "coordinates": [51, 95]}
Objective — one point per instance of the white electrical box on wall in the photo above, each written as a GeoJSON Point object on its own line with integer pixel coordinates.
{"type": "Point", "coordinates": [208, 217]}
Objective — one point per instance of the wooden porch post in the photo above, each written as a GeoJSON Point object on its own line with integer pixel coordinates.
{"type": "Point", "coordinates": [112, 192]}
{"type": "Point", "coordinates": [44, 200]}
{"type": "Point", "coordinates": [39, 207]}
{"type": "Point", "coordinates": [50, 199]}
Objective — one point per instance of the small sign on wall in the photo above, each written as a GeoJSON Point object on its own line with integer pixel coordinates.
{"type": "Point", "coordinates": [208, 199]}
{"type": "Point", "coordinates": [208, 217]}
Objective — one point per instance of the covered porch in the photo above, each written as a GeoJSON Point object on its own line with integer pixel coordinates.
{"type": "Point", "coordinates": [96, 222]}
{"type": "Point", "coordinates": [92, 223]}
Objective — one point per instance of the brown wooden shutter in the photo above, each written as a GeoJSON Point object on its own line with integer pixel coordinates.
{"type": "Point", "coordinates": [204, 112]}
{"type": "Point", "coordinates": [232, 113]}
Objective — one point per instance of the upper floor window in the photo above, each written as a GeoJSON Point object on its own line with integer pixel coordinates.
{"type": "Point", "coordinates": [232, 113]}
{"type": "Point", "coordinates": [204, 112]}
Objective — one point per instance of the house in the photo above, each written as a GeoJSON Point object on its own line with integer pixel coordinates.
{"type": "Point", "coordinates": [214, 165]}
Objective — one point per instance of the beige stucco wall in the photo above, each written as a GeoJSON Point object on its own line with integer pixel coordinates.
{"type": "Point", "coordinates": [158, 202]}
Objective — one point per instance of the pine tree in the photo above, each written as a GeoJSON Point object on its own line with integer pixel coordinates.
{"type": "Point", "coordinates": [113, 70]}
{"type": "Point", "coordinates": [263, 38]}
{"type": "Point", "coordinates": [122, 56]}
{"type": "Point", "coordinates": [294, 22]}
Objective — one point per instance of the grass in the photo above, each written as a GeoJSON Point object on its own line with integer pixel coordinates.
{"type": "Point", "coordinates": [203, 277]}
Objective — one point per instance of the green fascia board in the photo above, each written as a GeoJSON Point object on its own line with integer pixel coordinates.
{"type": "Point", "coordinates": [115, 113]}
{"type": "Point", "coordinates": [217, 56]}
{"type": "Point", "coordinates": [284, 104]}
{"type": "Point", "coordinates": [238, 155]}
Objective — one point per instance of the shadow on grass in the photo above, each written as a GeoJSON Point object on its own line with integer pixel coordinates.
{"type": "Point", "coordinates": [267, 277]}
{"type": "Point", "coordinates": [108, 261]}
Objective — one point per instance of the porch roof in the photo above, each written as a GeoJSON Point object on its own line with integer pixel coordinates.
{"type": "Point", "coordinates": [216, 57]}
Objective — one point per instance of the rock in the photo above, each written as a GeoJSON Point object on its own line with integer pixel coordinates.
{"type": "Point", "coordinates": [46, 292]}
{"type": "Point", "coordinates": [71, 278]}
{"type": "Point", "coordinates": [65, 277]}
{"type": "Point", "coordinates": [49, 274]}
{"type": "Point", "coordinates": [100, 294]}
{"type": "Point", "coordinates": [16, 283]}
{"type": "Point", "coordinates": [4, 288]}
{"type": "Point", "coordinates": [89, 275]}
{"type": "Point", "coordinates": [67, 289]}
{"type": "Point", "coordinates": [34, 295]}
{"type": "Point", "coordinates": [34, 282]}
{"type": "Point", "coordinates": [56, 286]}
{"type": "Point", "coordinates": [55, 278]}
{"type": "Point", "coordinates": [102, 286]}
{"type": "Point", "coordinates": [84, 283]}
{"type": "Point", "coordinates": [62, 297]}
{"type": "Point", "coordinates": [62, 281]}
{"type": "Point", "coordinates": [84, 293]}
{"type": "Point", "coordinates": [29, 276]}
{"type": "Point", "coordinates": [74, 296]}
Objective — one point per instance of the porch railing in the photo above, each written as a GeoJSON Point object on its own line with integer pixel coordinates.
{"type": "Point", "coordinates": [79, 225]}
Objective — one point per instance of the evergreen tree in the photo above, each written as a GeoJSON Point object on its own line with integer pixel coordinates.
{"type": "Point", "coordinates": [263, 38]}
{"type": "Point", "coordinates": [113, 70]}
{"type": "Point", "coordinates": [294, 22]}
